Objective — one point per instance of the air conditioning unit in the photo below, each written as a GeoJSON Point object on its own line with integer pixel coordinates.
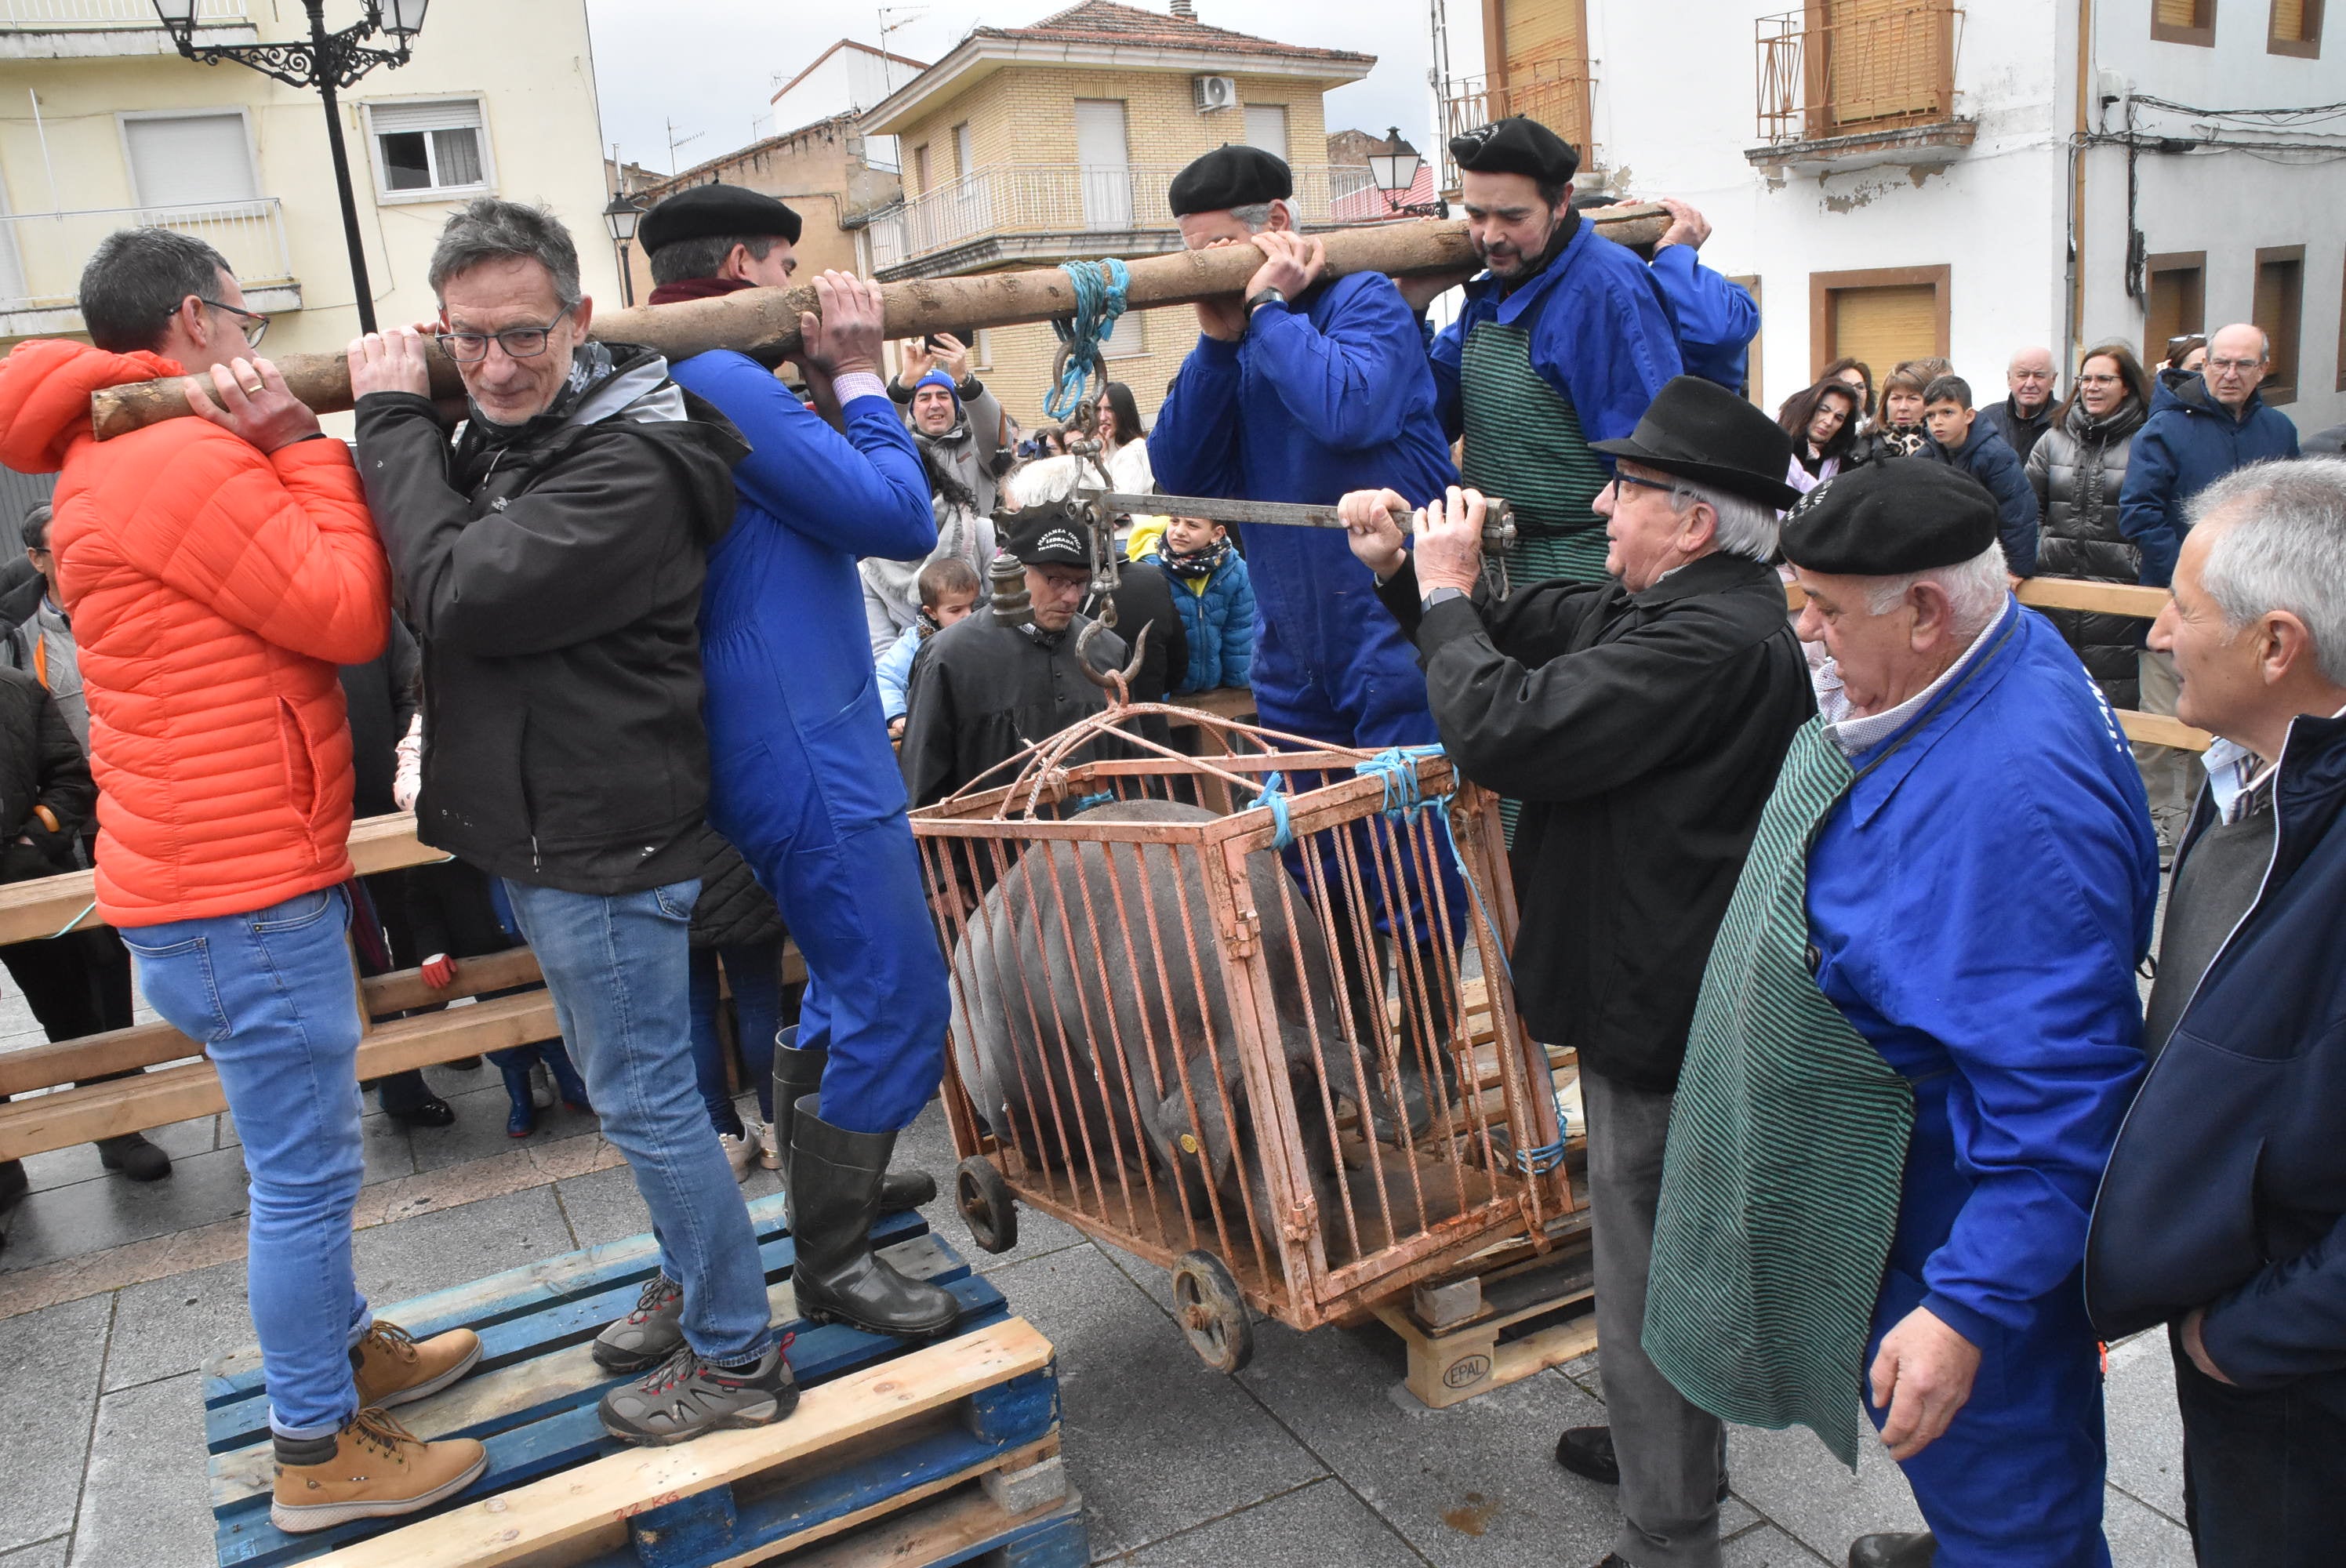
{"type": "Point", "coordinates": [1215, 93]}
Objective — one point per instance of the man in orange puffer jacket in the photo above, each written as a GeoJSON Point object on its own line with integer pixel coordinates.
{"type": "Point", "coordinates": [218, 571]}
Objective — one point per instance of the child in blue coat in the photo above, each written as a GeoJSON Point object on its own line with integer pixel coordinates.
{"type": "Point", "coordinates": [948, 587]}
{"type": "Point", "coordinates": [1211, 589]}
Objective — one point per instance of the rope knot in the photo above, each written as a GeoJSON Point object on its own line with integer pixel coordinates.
{"type": "Point", "coordinates": [1100, 299]}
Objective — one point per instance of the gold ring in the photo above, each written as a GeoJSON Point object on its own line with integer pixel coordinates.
{"type": "Point", "coordinates": [253, 388]}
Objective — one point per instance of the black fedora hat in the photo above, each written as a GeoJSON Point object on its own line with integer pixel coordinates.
{"type": "Point", "coordinates": [1699, 430]}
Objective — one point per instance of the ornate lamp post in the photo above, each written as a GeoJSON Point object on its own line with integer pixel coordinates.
{"type": "Point", "coordinates": [328, 61]}
{"type": "Point", "coordinates": [620, 217]}
{"type": "Point", "coordinates": [1395, 172]}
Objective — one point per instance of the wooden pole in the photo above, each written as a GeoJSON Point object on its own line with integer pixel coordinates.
{"type": "Point", "coordinates": [764, 322]}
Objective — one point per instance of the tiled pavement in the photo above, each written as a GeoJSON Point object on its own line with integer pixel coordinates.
{"type": "Point", "coordinates": [111, 1295]}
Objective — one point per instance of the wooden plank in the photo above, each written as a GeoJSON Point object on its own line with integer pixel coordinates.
{"type": "Point", "coordinates": [954, 1529]}
{"type": "Point", "coordinates": [531, 1520]}
{"type": "Point", "coordinates": [2105, 598]}
{"type": "Point", "coordinates": [2158, 729]}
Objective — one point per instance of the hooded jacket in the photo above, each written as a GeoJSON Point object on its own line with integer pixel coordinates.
{"type": "Point", "coordinates": [553, 575]}
{"type": "Point", "coordinates": [2076, 472]}
{"type": "Point", "coordinates": [2189, 441]}
{"type": "Point", "coordinates": [214, 588]}
{"type": "Point", "coordinates": [1217, 611]}
{"type": "Point", "coordinates": [1985, 456]}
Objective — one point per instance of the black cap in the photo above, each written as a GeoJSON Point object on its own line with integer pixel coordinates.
{"type": "Point", "coordinates": [716, 211]}
{"type": "Point", "coordinates": [1887, 519]}
{"type": "Point", "coordinates": [1051, 534]}
{"type": "Point", "coordinates": [1229, 175]}
{"type": "Point", "coordinates": [1516, 146]}
{"type": "Point", "coordinates": [1701, 431]}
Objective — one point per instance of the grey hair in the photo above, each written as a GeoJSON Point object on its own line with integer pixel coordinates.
{"type": "Point", "coordinates": [1745, 526]}
{"type": "Point", "coordinates": [1975, 591]}
{"type": "Point", "coordinates": [2280, 544]}
{"type": "Point", "coordinates": [679, 259]}
{"type": "Point", "coordinates": [487, 229]}
{"type": "Point", "coordinates": [1256, 215]}
{"type": "Point", "coordinates": [136, 278]}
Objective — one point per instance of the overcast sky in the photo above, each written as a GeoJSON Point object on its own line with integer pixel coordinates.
{"type": "Point", "coordinates": [711, 65]}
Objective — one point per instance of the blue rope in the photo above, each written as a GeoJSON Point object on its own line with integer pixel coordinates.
{"type": "Point", "coordinates": [1274, 797]}
{"type": "Point", "coordinates": [1099, 301]}
{"type": "Point", "coordinates": [1104, 798]}
{"type": "Point", "coordinates": [74, 921]}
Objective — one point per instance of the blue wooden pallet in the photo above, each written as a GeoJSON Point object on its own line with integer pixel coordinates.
{"type": "Point", "coordinates": [531, 1402]}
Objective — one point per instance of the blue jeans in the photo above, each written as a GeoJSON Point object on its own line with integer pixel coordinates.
{"type": "Point", "coordinates": [618, 967]}
{"type": "Point", "coordinates": [272, 998]}
{"type": "Point", "coordinates": [756, 971]}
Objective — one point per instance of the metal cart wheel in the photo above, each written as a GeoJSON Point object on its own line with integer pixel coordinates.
{"type": "Point", "coordinates": [985, 1204]}
{"type": "Point", "coordinates": [1211, 1312]}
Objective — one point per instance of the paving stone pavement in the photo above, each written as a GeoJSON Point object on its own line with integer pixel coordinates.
{"type": "Point", "coordinates": [111, 1295]}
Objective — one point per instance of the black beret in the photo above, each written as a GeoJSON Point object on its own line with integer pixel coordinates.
{"type": "Point", "coordinates": [715, 212]}
{"type": "Point", "coordinates": [1229, 175]}
{"type": "Point", "coordinates": [1051, 534]}
{"type": "Point", "coordinates": [1516, 146]}
{"type": "Point", "coordinates": [1887, 519]}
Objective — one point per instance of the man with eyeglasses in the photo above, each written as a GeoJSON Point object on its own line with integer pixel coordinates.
{"type": "Point", "coordinates": [217, 570]}
{"type": "Point", "coordinates": [550, 563]}
{"type": "Point", "coordinates": [1641, 721]}
{"type": "Point", "coordinates": [2201, 429]}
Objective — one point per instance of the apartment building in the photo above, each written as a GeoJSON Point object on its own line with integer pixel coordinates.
{"type": "Point", "coordinates": [1897, 178]}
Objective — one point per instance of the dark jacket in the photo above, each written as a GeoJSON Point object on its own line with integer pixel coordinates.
{"type": "Point", "coordinates": [2227, 1186]}
{"type": "Point", "coordinates": [2189, 441]}
{"type": "Point", "coordinates": [733, 909]}
{"type": "Point", "coordinates": [451, 911]}
{"type": "Point", "coordinates": [2021, 431]}
{"type": "Point", "coordinates": [1985, 456]}
{"type": "Point", "coordinates": [41, 764]}
{"type": "Point", "coordinates": [981, 691]}
{"type": "Point", "coordinates": [553, 579]}
{"type": "Point", "coordinates": [2328, 442]}
{"type": "Point", "coordinates": [2077, 473]}
{"type": "Point", "coordinates": [1643, 733]}
{"type": "Point", "coordinates": [382, 696]}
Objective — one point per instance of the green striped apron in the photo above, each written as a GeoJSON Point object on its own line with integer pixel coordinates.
{"type": "Point", "coordinates": [1525, 441]}
{"type": "Point", "coordinates": [1787, 1146]}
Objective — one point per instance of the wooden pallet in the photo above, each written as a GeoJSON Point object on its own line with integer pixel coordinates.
{"type": "Point", "coordinates": [891, 1451]}
{"type": "Point", "coordinates": [1515, 1315]}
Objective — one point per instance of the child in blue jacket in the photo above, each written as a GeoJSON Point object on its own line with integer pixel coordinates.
{"type": "Point", "coordinates": [1218, 607]}
{"type": "Point", "coordinates": [948, 587]}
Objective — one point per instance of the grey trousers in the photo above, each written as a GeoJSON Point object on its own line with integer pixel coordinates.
{"type": "Point", "coordinates": [2171, 778]}
{"type": "Point", "coordinates": [1668, 1449]}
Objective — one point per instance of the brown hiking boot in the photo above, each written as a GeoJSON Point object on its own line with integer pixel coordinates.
{"type": "Point", "coordinates": [394, 1369]}
{"type": "Point", "coordinates": [378, 1469]}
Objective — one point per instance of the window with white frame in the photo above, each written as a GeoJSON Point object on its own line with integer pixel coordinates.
{"type": "Point", "coordinates": [428, 150]}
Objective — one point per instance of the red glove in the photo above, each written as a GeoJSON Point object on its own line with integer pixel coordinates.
{"type": "Point", "coordinates": [439, 972]}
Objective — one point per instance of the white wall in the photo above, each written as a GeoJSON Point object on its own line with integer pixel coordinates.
{"type": "Point", "coordinates": [849, 81]}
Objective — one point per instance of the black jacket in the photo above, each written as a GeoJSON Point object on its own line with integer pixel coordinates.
{"type": "Point", "coordinates": [733, 909]}
{"type": "Point", "coordinates": [41, 764]}
{"type": "Point", "coordinates": [2077, 472]}
{"type": "Point", "coordinates": [2226, 1188]}
{"type": "Point", "coordinates": [382, 697]}
{"type": "Point", "coordinates": [981, 691]}
{"type": "Point", "coordinates": [2021, 431]}
{"type": "Point", "coordinates": [1643, 733]}
{"type": "Point", "coordinates": [553, 579]}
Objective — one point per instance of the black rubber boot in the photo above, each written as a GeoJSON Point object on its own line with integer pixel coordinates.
{"type": "Point", "coordinates": [800, 1072]}
{"type": "Point", "coordinates": [1897, 1549]}
{"type": "Point", "coordinates": [834, 1184]}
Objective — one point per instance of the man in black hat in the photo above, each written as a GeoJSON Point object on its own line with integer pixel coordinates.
{"type": "Point", "coordinates": [1563, 341]}
{"type": "Point", "coordinates": [982, 691]}
{"type": "Point", "coordinates": [1916, 1036]}
{"type": "Point", "coordinates": [1641, 721]}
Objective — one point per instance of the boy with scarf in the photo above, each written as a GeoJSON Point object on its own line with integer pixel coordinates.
{"type": "Point", "coordinates": [1211, 589]}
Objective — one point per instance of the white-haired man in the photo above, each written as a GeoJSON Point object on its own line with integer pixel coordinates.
{"type": "Point", "coordinates": [1916, 1034]}
{"type": "Point", "coordinates": [2026, 412]}
{"type": "Point", "coordinates": [1641, 721]}
{"type": "Point", "coordinates": [2221, 1214]}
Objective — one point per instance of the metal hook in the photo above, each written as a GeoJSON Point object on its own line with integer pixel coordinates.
{"type": "Point", "coordinates": [1115, 683]}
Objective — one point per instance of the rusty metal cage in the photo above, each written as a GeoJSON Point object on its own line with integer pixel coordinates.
{"type": "Point", "coordinates": [1192, 995]}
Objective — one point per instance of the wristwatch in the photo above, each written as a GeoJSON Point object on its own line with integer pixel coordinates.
{"type": "Point", "coordinates": [1442, 596]}
{"type": "Point", "coordinates": [1266, 295]}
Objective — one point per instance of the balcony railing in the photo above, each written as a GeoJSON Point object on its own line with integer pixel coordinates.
{"type": "Point", "coordinates": [1039, 199]}
{"type": "Point", "coordinates": [42, 253]}
{"type": "Point", "coordinates": [47, 15]}
{"type": "Point", "coordinates": [1552, 92]}
{"type": "Point", "coordinates": [1842, 67]}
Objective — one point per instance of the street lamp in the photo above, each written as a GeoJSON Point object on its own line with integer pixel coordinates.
{"type": "Point", "coordinates": [1395, 172]}
{"type": "Point", "coordinates": [328, 61]}
{"type": "Point", "coordinates": [620, 217]}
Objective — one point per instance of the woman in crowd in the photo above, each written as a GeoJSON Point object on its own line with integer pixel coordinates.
{"type": "Point", "coordinates": [1859, 374]}
{"type": "Point", "coordinates": [1124, 440]}
{"type": "Point", "coordinates": [2185, 356]}
{"type": "Point", "coordinates": [1822, 421]}
{"type": "Point", "coordinates": [1901, 431]}
{"type": "Point", "coordinates": [2077, 469]}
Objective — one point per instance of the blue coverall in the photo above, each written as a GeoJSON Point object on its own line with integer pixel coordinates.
{"type": "Point", "coordinates": [1715, 317]}
{"type": "Point", "coordinates": [1978, 904]}
{"type": "Point", "coordinates": [802, 780]}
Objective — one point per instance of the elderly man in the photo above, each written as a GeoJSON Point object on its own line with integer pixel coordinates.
{"type": "Point", "coordinates": [1916, 1034]}
{"type": "Point", "coordinates": [801, 780]}
{"type": "Point", "coordinates": [2201, 429]}
{"type": "Point", "coordinates": [2225, 1196]}
{"type": "Point", "coordinates": [1641, 721]}
{"type": "Point", "coordinates": [216, 570]}
{"type": "Point", "coordinates": [2026, 412]}
{"type": "Point", "coordinates": [551, 565]}
{"type": "Point", "coordinates": [1309, 388]}
{"type": "Point", "coordinates": [956, 425]}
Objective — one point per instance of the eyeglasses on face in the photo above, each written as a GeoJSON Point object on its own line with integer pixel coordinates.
{"type": "Point", "coordinates": [518, 342]}
{"type": "Point", "coordinates": [1663, 485]}
{"type": "Point", "coordinates": [254, 324]}
{"type": "Point", "coordinates": [2243, 367]}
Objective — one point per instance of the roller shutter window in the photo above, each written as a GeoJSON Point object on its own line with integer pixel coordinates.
{"type": "Point", "coordinates": [2184, 22]}
{"type": "Point", "coordinates": [2295, 29]}
{"type": "Point", "coordinates": [188, 161]}
{"type": "Point", "coordinates": [1884, 325]}
{"type": "Point", "coordinates": [1266, 127]}
{"type": "Point", "coordinates": [429, 147]}
{"type": "Point", "coordinates": [1547, 66]}
{"type": "Point", "coordinates": [2279, 309]}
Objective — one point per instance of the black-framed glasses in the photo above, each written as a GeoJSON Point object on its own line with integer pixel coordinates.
{"type": "Point", "coordinates": [254, 325]}
{"type": "Point", "coordinates": [1663, 485]}
{"type": "Point", "coordinates": [518, 342]}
